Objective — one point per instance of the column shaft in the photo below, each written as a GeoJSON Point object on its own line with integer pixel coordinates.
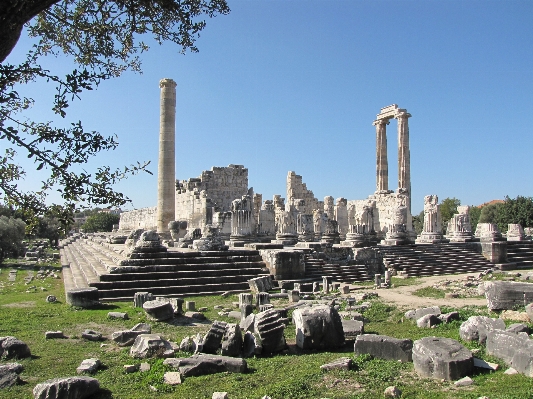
{"type": "Point", "coordinates": [382, 165]}
{"type": "Point", "coordinates": [166, 181]}
{"type": "Point", "coordinates": [404, 157]}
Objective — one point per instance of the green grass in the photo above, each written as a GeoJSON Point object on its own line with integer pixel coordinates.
{"type": "Point", "coordinates": [402, 282]}
{"type": "Point", "coordinates": [429, 292]}
{"type": "Point", "coordinates": [291, 375]}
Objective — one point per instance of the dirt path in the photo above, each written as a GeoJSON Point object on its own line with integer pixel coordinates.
{"type": "Point", "coordinates": [403, 296]}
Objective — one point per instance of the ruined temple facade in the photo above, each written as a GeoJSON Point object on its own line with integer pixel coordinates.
{"type": "Point", "coordinates": [221, 197]}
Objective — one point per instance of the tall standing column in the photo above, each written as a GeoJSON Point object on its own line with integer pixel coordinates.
{"type": "Point", "coordinates": [166, 179]}
{"type": "Point", "coordinates": [382, 165]}
{"type": "Point", "coordinates": [404, 157]}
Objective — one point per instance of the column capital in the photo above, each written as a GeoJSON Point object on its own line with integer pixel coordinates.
{"type": "Point", "coordinates": [167, 83]}
{"type": "Point", "coordinates": [402, 114]}
{"type": "Point", "coordinates": [384, 121]}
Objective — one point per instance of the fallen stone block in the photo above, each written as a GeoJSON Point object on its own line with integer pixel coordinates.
{"type": "Point", "coordinates": [13, 348]}
{"type": "Point", "coordinates": [442, 358]}
{"type": "Point", "coordinates": [384, 347]}
{"type": "Point", "coordinates": [202, 364]}
{"type": "Point", "coordinates": [127, 337]}
{"type": "Point", "coordinates": [54, 335]}
{"type": "Point", "coordinates": [477, 327]}
{"type": "Point", "coordinates": [260, 284]}
{"type": "Point", "coordinates": [83, 297]}
{"type": "Point", "coordinates": [91, 335]}
{"type": "Point", "coordinates": [118, 315]}
{"type": "Point", "coordinates": [130, 368]}
{"type": "Point", "coordinates": [507, 294]}
{"type": "Point", "coordinates": [418, 313]}
{"type": "Point", "coordinates": [464, 382]}
{"type": "Point", "coordinates": [344, 363]}
{"type": "Point", "coordinates": [150, 345]}
{"type": "Point", "coordinates": [518, 328]}
{"type": "Point", "coordinates": [270, 330]}
{"type": "Point", "coordinates": [139, 298]}
{"type": "Point", "coordinates": [251, 345]}
{"type": "Point", "coordinates": [392, 392]}
{"type": "Point", "coordinates": [172, 378]}
{"type": "Point", "coordinates": [66, 388]}
{"type": "Point", "coordinates": [529, 311]}
{"type": "Point", "coordinates": [195, 315]}
{"type": "Point", "coordinates": [158, 310]}
{"type": "Point", "coordinates": [516, 350]}
{"type": "Point", "coordinates": [449, 317]}
{"type": "Point", "coordinates": [232, 341]}
{"type": "Point", "coordinates": [352, 328]}
{"type": "Point", "coordinates": [89, 366]}
{"type": "Point", "coordinates": [318, 327]}
{"type": "Point", "coordinates": [9, 375]}
{"type": "Point", "coordinates": [213, 339]}
{"type": "Point", "coordinates": [220, 395]}
{"type": "Point", "coordinates": [428, 321]}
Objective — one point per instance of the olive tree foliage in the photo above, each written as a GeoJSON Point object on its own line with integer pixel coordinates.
{"type": "Point", "coordinates": [102, 221]}
{"type": "Point", "coordinates": [512, 210]}
{"type": "Point", "coordinates": [448, 208]}
{"type": "Point", "coordinates": [12, 232]}
{"type": "Point", "coordinates": [104, 39]}
{"type": "Point", "coordinates": [418, 223]}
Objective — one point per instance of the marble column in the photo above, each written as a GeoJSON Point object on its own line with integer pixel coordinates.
{"type": "Point", "coordinates": [404, 157]}
{"type": "Point", "coordinates": [382, 170]}
{"type": "Point", "coordinates": [166, 178]}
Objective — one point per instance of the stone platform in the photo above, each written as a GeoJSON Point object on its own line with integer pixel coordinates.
{"type": "Point", "coordinates": [94, 263]}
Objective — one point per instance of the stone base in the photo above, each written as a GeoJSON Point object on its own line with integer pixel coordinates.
{"type": "Point", "coordinates": [394, 241]}
{"type": "Point", "coordinates": [236, 243]}
{"type": "Point", "coordinates": [309, 245]}
{"type": "Point", "coordinates": [355, 244]}
{"type": "Point", "coordinates": [431, 239]}
{"type": "Point", "coordinates": [285, 242]}
{"type": "Point", "coordinates": [505, 266]}
{"type": "Point", "coordinates": [258, 246]}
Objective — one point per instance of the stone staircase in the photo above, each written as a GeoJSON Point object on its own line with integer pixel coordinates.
{"type": "Point", "coordinates": [88, 263]}
{"type": "Point", "coordinates": [348, 272]}
{"type": "Point", "coordinates": [520, 253]}
{"type": "Point", "coordinates": [434, 259]}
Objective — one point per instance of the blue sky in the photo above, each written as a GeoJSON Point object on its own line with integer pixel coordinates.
{"type": "Point", "coordinates": [295, 85]}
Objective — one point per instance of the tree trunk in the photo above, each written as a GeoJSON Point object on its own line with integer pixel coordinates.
{"type": "Point", "coordinates": [13, 15]}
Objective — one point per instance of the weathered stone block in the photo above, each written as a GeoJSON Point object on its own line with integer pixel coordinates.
{"type": "Point", "coordinates": [384, 347]}
{"type": "Point", "coordinates": [83, 297]}
{"type": "Point", "coordinates": [149, 345]}
{"type": "Point", "coordinates": [428, 321]}
{"type": "Point", "coordinates": [89, 366]}
{"type": "Point", "coordinates": [442, 358]}
{"type": "Point", "coordinates": [213, 339]}
{"type": "Point", "coordinates": [516, 350]}
{"type": "Point", "coordinates": [201, 364]}
{"type": "Point", "coordinates": [232, 341]}
{"type": "Point", "coordinates": [477, 327]}
{"type": "Point", "coordinates": [158, 310]}
{"type": "Point", "coordinates": [418, 313]}
{"type": "Point", "coordinates": [269, 327]}
{"type": "Point", "coordinates": [318, 327]}
{"type": "Point", "coordinates": [352, 329]}
{"type": "Point", "coordinates": [260, 284]}
{"type": "Point", "coordinates": [251, 345]}
{"type": "Point", "coordinates": [344, 363]}
{"type": "Point", "coordinates": [507, 294]}
{"type": "Point", "coordinates": [284, 264]}
{"type": "Point", "coordinates": [66, 388]}
{"type": "Point", "coordinates": [127, 337]}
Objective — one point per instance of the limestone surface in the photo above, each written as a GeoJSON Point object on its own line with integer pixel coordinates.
{"type": "Point", "coordinates": [442, 358]}
{"type": "Point", "coordinates": [66, 388]}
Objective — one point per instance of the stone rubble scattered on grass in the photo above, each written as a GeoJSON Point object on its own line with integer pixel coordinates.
{"type": "Point", "coordinates": [91, 335]}
{"type": "Point", "coordinates": [158, 310]}
{"type": "Point", "coordinates": [127, 337]}
{"type": "Point", "coordinates": [428, 321]}
{"type": "Point", "coordinates": [150, 345]}
{"type": "Point", "coordinates": [464, 382]}
{"type": "Point", "coordinates": [416, 314]}
{"type": "Point", "coordinates": [172, 378]}
{"type": "Point", "coordinates": [476, 328]}
{"type": "Point", "coordinates": [89, 366]}
{"type": "Point", "coordinates": [510, 371]}
{"type": "Point", "coordinates": [343, 363]}
{"type": "Point", "coordinates": [130, 368]}
{"type": "Point", "coordinates": [220, 395]}
{"type": "Point", "coordinates": [51, 299]}
{"type": "Point", "coordinates": [66, 388]}
{"type": "Point", "coordinates": [54, 335]}
{"type": "Point", "coordinates": [144, 367]}
{"type": "Point", "coordinates": [9, 374]}
{"type": "Point", "coordinates": [202, 364]}
{"type": "Point", "coordinates": [485, 365]}
{"type": "Point", "coordinates": [384, 347]}
{"type": "Point", "coordinates": [392, 392]}
{"type": "Point", "coordinates": [13, 348]}
{"type": "Point", "coordinates": [118, 315]}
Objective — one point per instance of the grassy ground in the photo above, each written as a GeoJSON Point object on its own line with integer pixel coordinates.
{"type": "Point", "coordinates": [293, 374]}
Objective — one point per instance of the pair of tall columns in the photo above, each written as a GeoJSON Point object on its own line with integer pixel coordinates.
{"type": "Point", "coordinates": [404, 157]}
{"type": "Point", "coordinates": [166, 179]}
